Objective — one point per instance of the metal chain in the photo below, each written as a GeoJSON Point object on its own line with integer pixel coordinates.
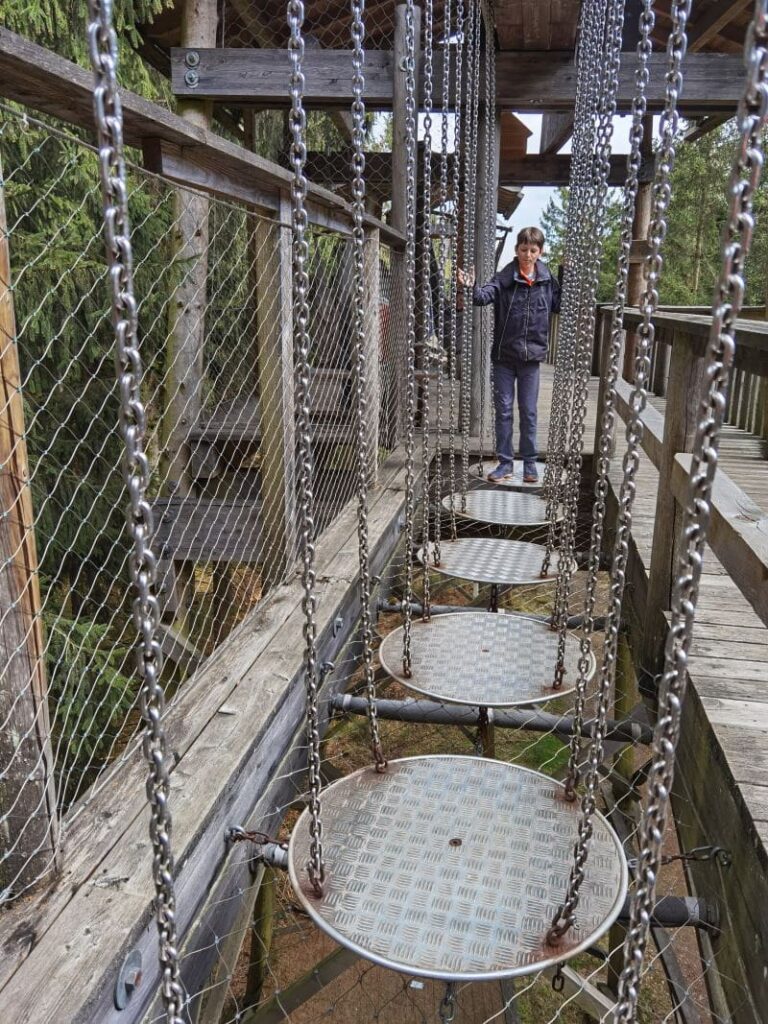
{"type": "Point", "coordinates": [610, 377]}
{"type": "Point", "coordinates": [729, 295]}
{"type": "Point", "coordinates": [364, 453]}
{"type": "Point", "coordinates": [444, 249]}
{"type": "Point", "coordinates": [448, 1004]}
{"type": "Point", "coordinates": [297, 121]}
{"type": "Point", "coordinates": [410, 330]}
{"type": "Point", "coordinates": [635, 427]}
{"type": "Point", "coordinates": [103, 48]}
{"type": "Point", "coordinates": [427, 312]}
{"type": "Point", "coordinates": [579, 242]}
{"type": "Point", "coordinates": [454, 295]}
{"type": "Point", "coordinates": [597, 194]}
{"type": "Point", "coordinates": [489, 211]}
{"type": "Point", "coordinates": [470, 175]}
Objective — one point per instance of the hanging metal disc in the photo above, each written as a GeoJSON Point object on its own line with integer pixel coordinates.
{"type": "Point", "coordinates": [453, 867]}
{"type": "Point", "coordinates": [515, 482]}
{"type": "Point", "coordinates": [491, 659]}
{"type": "Point", "coordinates": [490, 560]}
{"type": "Point", "coordinates": [501, 508]}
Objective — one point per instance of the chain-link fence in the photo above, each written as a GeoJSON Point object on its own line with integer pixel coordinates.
{"type": "Point", "coordinates": [216, 343]}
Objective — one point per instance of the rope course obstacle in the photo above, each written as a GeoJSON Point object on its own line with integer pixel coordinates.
{"type": "Point", "coordinates": [442, 870]}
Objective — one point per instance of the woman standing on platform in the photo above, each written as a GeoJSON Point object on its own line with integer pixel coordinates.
{"type": "Point", "coordinates": [524, 295]}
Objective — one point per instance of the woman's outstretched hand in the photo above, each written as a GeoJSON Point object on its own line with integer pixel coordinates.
{"type": "Point", "coordinates": [466, 277]}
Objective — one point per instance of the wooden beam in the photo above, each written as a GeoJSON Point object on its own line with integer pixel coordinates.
{"type": "Point", "coordinates": [556, 170]}
{"type": "Point", "coordinates": [704, 30]}
{"type": "Point", "coordinates": [41, 80]}
{"type": "Point", "coordinates": [525, 80]}
{"type": "Point", "coordinates": [704, 126]}
{"type": "Point", "coordinates": [556, 129]}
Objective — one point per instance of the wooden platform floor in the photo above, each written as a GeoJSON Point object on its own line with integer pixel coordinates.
{"type": "Point", "coordinates": [729, 662]}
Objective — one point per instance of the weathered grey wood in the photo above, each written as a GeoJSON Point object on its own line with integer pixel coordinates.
{"type": "Point", "coordinates": [526, 80]}
{"type": "Point", "coordinates": [737, 534]}
{"type": "Point", "coordinates": [373, 340]}
{"type": "Point", "coordinates": [41, 80]}
{"type": "Point", "coordinates": [556, 170]}
{"type": "Point", "coordinates": [252, 735]}
{"type": "Point", "coordinates": [708, 26]}
{"type": "Point", "coordinates": [277, 409]}
{"type": "Point", "coordinates": [653, 422]}
{"type": "Point", "coordinates": [28, 812]}
{"type": "Point", "coordinates": [556, 129]}
{"type": "Point", "coordinates": [640, 225]}
{"type": "Point", "coordinates": [685, 384]}
{"type": "Point", "coordinates": [193, 529]}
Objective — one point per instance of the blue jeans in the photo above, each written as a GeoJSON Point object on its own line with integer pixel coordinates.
{"type": "Point", "coordinates": [526, 375]}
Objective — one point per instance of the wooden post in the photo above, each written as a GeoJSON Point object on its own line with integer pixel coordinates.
{"type": "Point", "coordinates": [372, 282]}
{"type": "Point", "coordinates": [398, 212]}
{"type": "Point", "coordinates": [640, 226]}
{"type": "Point", "coordinates": [277, 428]}
{"type": "Point", "coordinates": [602, 344]}
{"type": "Point", "coordinates": [684, 389]}
{"type": "Point", "coordinates": [186, 321]}
{"type": "Point", "coordinates": [261, 942]}
{"type": "Point", "coordinates": [28, 821]}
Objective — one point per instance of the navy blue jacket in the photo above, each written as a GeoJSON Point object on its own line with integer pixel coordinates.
{"type": "Point", "coordinates": [521, 312]}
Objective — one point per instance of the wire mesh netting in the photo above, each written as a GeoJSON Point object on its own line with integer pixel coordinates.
{"type": "Point", "coordinates": [218, 394]}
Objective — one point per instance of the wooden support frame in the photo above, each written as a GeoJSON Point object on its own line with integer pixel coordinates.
{"type": "Point", "coordinates": [277, 413]}
{"type": "Point", "coordinates": [28, 807]}
{"type": "Point", "coordinates": [535, 169]}
{"type": "Point", "coordinates": [526, 80]}
{"type": "Point", "coordinates": [556, 129]}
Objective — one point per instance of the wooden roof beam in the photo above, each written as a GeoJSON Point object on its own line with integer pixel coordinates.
{"type": "Point", "coordinates": [556, 129]}
{"type": "Point", "coordinates": [526, 80]}
{"type": "Point", "coordinates": [537, 169]}
{"type": "Point", "coordinates": [703, 30]}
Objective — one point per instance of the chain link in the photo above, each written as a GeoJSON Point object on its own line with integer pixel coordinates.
{"type": "Point", "coordinates": [470, 179]}
{"type": "Point", "coordinates": [103, 49]}
{"type": "Point", "coordinates": [610, 377]}
{"type": "Point", "coordinates": [448, 1004]}
{"type": "Point", "coordinates": [297, 121]}
{"type": "Point", "coordinates": [410, 331]}
{"type": "Point", "coordinates": [729, 296]}
{"type": "Point", "coordinates": [427, 311]}
{"type": "Point", "coordinates": [453, 331]}
{"type": "Point", "coordinates": [364, 453]}
{"type": "Point", "coordinates": [444, 249]}
{"type": "Point", "coordinates": [489, 212]}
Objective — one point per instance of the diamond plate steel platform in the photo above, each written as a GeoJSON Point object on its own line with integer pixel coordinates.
{"type": "Point", "coordinates": [515, 482]}
{"type": "Point", "coordinates": [502, 508]}
{"type": "Point", "coordinates": [453, 867]}
{"type": "Point", "coordinates": [491, 560]}
{"type": "Point", "coordinates": [491, 659]}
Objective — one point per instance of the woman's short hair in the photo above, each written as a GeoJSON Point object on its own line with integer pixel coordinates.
{"type": "Point", "coordinates": [530, 236]}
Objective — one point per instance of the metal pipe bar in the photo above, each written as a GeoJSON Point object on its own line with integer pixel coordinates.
{"type": "Point", "coordinates": [574, 621]}
{"type": "Point", "coordinates": [432, 713]}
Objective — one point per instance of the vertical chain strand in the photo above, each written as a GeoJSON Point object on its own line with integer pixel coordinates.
{"type": "Point", "coordinates": [103, 49]}
{"type": "Point", "coordinates": [729, 296]}
{"type": "Point", "coordinates": [301, 344]}
{"type": "Point", "coordinates": [364, 453]}
{"type": "Point", "coordinates": [427, 312]}
{"type": "Point", "coordinates": [410, 321]}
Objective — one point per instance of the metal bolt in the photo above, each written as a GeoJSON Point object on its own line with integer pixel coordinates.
{"type": "Point", "coordinates": [338, 625]}
{"type": "Point", "coordinates": [192, 79]}
{"type": "Point", "coordinates": [128, 979]}
{"type": "Point", "coordinates": [192, 59]}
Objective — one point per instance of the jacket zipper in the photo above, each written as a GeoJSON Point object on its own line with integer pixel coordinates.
{"type": "Point", "coordinates": [525, 329]}
{"type": "Point", "coordinates": [506, 318]}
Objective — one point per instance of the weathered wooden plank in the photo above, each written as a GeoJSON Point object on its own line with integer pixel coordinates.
{"type": "Point", "coordinates": [705, 28]}
{"type": "Point", "coordinates": [41, 80]}
{"type": "Point", "coordinates": [28, 812]}
{"type": "Point", "coordinates": [653, 422]}
{"type": "Point", "coordinates": [526, 80]}
{"type": "Point", "coordinates": [737, 534]}
{"type": "Point", "coordinates": [536, 169]}
{"type": "Point", "coordinates": [556, 129]}
{"type": "Point", "coordinates": [262, 695]}
{"type": "Point", "coordinates": [686, 380]}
